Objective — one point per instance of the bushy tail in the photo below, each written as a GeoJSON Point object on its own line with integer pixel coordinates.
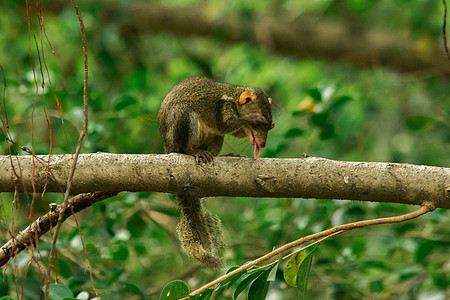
{"type": "Point", "coordinates": [200, 232]}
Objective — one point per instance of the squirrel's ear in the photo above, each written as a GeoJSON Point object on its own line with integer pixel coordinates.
{"type": "Point", "coordinates": [247, 97]}
{"type": "Point", "coordinates": [270, 100]}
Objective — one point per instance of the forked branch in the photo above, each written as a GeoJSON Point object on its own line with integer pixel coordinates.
{"type": "Point", "coordinates": [31, 234]}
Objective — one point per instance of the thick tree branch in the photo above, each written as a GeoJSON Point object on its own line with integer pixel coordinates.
{"type": "Point", "coordinates": [42, 225]}
{"type": "Point", "coordinates": [235, 176]}
{"type": "Point", "coordinates": [283, 32]}
{"type": "Point", "coordinates": [300, 36]}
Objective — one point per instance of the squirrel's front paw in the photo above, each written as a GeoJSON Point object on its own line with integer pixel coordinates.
{"type": "Point", "coordinates": [203, 156]}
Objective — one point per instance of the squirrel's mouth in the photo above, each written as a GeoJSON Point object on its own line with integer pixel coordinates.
{"type": "Point", "coordinates": [257, 139]}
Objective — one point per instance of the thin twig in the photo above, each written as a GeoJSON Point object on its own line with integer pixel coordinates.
{"type": "Point", "coordinates": [303, 248]}
{"type": "Point", "coordinates": [425, 208]}
{"type": "Point", "coordinates": [89, 267]}
{"type": "Point", "coordinates": [78, 150]}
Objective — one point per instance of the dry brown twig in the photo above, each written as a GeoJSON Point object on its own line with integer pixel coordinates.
{"type": "Point", "coordinates": [78, 149]}
{"type": "Point", "coordinates": [42, 225]}
{"type": "Point", "coordinates": [425, 208]}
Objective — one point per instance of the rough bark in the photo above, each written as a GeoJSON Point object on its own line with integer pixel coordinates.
{"type": "Point", "coordinates": [283, 32]}
{"type": "Point", "coordinates": [231, 176]}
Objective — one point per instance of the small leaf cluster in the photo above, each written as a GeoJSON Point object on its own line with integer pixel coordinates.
{"type": "Point", "coordinates": [255, 279]}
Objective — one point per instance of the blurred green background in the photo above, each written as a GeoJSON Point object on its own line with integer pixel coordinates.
{"type": "Point", "coordinates": [323, 107]}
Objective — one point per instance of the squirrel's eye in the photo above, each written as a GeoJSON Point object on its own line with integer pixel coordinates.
{"type": "Point", "coordinates": [248, 99]}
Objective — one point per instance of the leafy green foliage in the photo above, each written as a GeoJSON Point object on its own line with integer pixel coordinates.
{"type": "Point", "coordinates": [324, 109]}
{"type": "Point", "coordinates": [257, 279]}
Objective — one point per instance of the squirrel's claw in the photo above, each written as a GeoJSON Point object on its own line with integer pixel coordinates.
{"type": "Point", "coordinates": [203, 156]}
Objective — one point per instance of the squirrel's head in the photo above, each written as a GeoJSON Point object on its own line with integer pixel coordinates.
{"type": "Point", "coordinates": [254, 101]}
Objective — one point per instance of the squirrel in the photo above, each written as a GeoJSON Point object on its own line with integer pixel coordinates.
{"type": "Point", "coordinates": [193, 119]}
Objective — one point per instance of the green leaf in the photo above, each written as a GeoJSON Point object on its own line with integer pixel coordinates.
{"type": "Point", "coordinates": [58, 291]}
{"type": "Point", "coordinates": [293, 132]}
{"type": "Point", "coordinates": [120, 252]}
{"type": "Point", "coordinates": [140, 249]}
{"type": "Point", "coordinates": [258, 289]}
{"type": "Point", "coordinates": [32, 289]}
{"type": "Point", "coordinates": [245, 282]}
{"type": "Point", "coordinates": [376, 286]}
{"type": "Point", "coordinates": [64, 269]}
{"type": "Point", "coordinates": [4, 287]}
{"type": "Point", "coordinates": [83, 295]}
{"type": "Point", "coordinates": [423, 250]}
{"type": "Point", "coordinates": [273, 272]}
{"type": "Point", "coordinates": [315, 94]}
{"type": "Point", "coordinates": [136, 225]}
{"type": "Point", "coordinates": [339, 102]}
{"type": "Point", "coordinates": [6, 298]}
{"type": "Point", "coordinates": [131, 288]}
{"type": "Point", "coordinates": [291, 268]}
{"type": "Point", "coordinates": [303, 272]}
{"type": "Point", "coordinates": [419, 122]}
{"type": "Point", "coordinates": [405, 273]}
{"type": "Point", "coordinates": [327, 131]}
{"type": "Point", "coordinates": [125, 101]}
{"type": "Point", "coordinates": [136, 79]}
{"type": "Point", "coordinates": [230, 281]}
{"type": "Point", "coordinates": [441, 280]}
{"type": "Point", "coordinates": [206, 295]}
{"type": "Point", "coordinates": [174, 290]}
{"type": "Point", "coordinates": [299, 113]}
{"type": "Point", "coordinates": [319, 119]}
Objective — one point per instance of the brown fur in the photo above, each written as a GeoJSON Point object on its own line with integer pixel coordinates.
{"type": "Point", "coordinates": [193, 119]}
